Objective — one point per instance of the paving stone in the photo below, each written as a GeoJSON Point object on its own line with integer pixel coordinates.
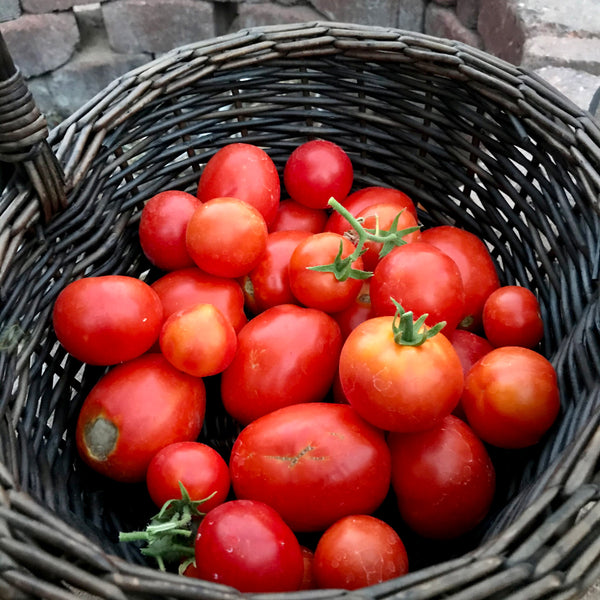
{"type": "Point", "coordinates": [9, 9]}
{"type": "Point", "coordinates": [46, 6]}
{"type": "Point", "coordinates": [571, 52]}
{"type": "Point", "coordinates": [411, 14]}
{"type": "Point", "coordinates": [444, 2]}
{"type": "Point", "coordinates": [578, 16]}
{"type": "Point", "coordinates": [578, 86]}
{"type": "Point", "coordinates": [499, 25]}
{"type": "Point", "coordinates": [374, 12]}
{"type": "Point", "coordinates": [265, 13]}
{"type": "Point", "coordinates": [467, 12]}
{"type": "Point", "coordinates": [443, 22]}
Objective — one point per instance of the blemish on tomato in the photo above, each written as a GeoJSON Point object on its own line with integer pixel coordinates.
{"type": "Point", "coordinates": [100, 437]}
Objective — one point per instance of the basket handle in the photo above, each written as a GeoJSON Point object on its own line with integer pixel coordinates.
{"type": "Point", "coordinates": [23, 138]}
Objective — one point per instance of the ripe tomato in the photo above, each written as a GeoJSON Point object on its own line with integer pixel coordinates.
{"type": "Point", "coordinates": [443, 478]}
{"type": "Point", "coordinates": [317, 289]}
{"type": "Point", "coordinates": [475, 264]}
{"type": "Point", "coordinates": [511, 397]}
{"type": "Point", "coordinates": [246, 545]}
{"type": "Point", "coordinates": [314, 463]}
{"type": "Point", "coordinates": [316, 171]}
{"type": "Point", "coordinates": [293, 216]}
{"type": "Point", "coordinates": [162, 227]}
{"type": "Point", "coordinates": [108, 319]}
{"type": "Point", "coordinates": [511, 317]}
{"type": "Point", "coordinates": [286, 355]}
{"type": "Point", "coordinates": [200, 468]}
{"type": "Point", "coordinates": [360, 310]}
{"type": "Point", "coordinates": [184, 288]}
{"type": "Point", "coordinates": [357, 551]}
{"type": "Point", "coordinates": [242, 171]}
{"type": "Point", "coordinates": [198, 340]}
{"type": "Point", "coordinates": [136, 409]}
{"type": "Point", "coordinates": [308, 579]}
{"type": "Point", "coordinates": [469, 346]}
{"type": "Point", "coordinates": [226, 237]}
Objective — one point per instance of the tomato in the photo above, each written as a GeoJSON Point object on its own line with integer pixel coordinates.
{"type": "Point", "coordinates": [476, 266]}
{"type": "Point", "coordinates": [198, 340]}
{"type": "Point", "coordinates": [286, 355]}
{"type": "Point", "coordinates": [184, 288]}
{"type": "Point", "coordinates": [313, 463]}
{"type": "Point", "coordinates": [317, 289]}
{"type": "Point", "coordinates": [443, 479]}
{"type": "Point", "coordinates": [511, 317]}
{"type": "Point", "coordinates": [198, 467]}
{"type": "Point", "coordinates": [108, 319]}
{"type": "Point", "coordinates": [245, 544]}
{"type": "Point", "coordinates": [511, 397]}
{"type": "Point", "coordinates": [424, 280]}
{"type": "Point", "coordinates": [162, 227]}
{"type": "Point", "coordinates": [226, 237]}
{"type": "Point", "coordinates": [360, 310]}
{"type": "Point", "coordinates": [308, 579]}
{"type": "Point", "coordinates": [397, 386]}
{"type": "Point", "coordinates": [469, 346]}
{"type": "Point", "coordinates": [357, 551]}
{"type": "Point", "coordinates": [136, 409]}
{"type": "Point", "coordinates": [316, 171]}
{"type": "Point", "coordinates": [293, 216]}
{"type": "Point", "coordinates": [243, 171]}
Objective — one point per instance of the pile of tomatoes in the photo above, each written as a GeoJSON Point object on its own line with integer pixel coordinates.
{"type": "Point", "coordinates": [362, 356]}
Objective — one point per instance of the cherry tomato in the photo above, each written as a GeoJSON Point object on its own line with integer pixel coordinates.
{"type": "Point", "coordinates": [136, 409]}
{"type": "Point", "coordinates": [314, 463]}
{"type": "Point", "coordinates": [316, 171]}
{"type": "Point", "coordinates": [162, 227]}
{"type": "Point", "coordinates": [511, 317]}
{"type": "Point", "coordinates": [293, 216]}
{"type": "Point", "coordinates": [108, 319]}
{"type": "Point", "coordinates": [243, 171]}
{"type": "Point", "coordinates": [286, 355]}
{"type": "Point", "coordinates": [246, 545]}
{"type": "Point", "coordinates": [511, 397]}
{"type": "Point", "coordinates": [443, 478]}
{"type": "Point", "coordinates": [360, 310]}
{"type": "Point", "coordinates": [198, 467]}
{"type": "Point", "coordinates": [357, 551]}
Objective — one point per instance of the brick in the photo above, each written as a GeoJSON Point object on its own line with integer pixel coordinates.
{"type": "Point", "coordinates": [501, 30]}
{"type": "Point", "coordinates": [9, 10]}
{"type": "Point", "coordinates": [582, 54]}
{"type": "Point", "coordinates": [374, 12]}
{"type": "Point", "coordinates": [442, 22]}
{"type": "Point", "coordinates": [411, 14]}
{"type": "Point", "coordinates": [157, 26]}
{"type": "Point", "coordinates": [46, 6]}
{"type": "Point", "coordinates": [467, 12]}
{"type": "Point", "coordinates": [265, 13]}
{"type": "Point", "coordinates": [41, 43]}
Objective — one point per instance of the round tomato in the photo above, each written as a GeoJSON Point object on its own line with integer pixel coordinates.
{"type": "Point", "coordinates": [243, 171]}
{"type": "Point", "coordinates": [293, 216]}
{"type": "Point", "coordinates": [511, 397]}
{"type": "Point", "coordinates": [286, 355]}
{"type": "Point", "coordinates": [357, 551]}
{"type": "Point", "coordinates": [246, 545]}
{"type": "Point", "coordinates": [108, 319]}
{"type": "Point", "coordinates": [360, 310]}
{"type": "Point", "coordinates": [136, 409]}
{"type": "Point", "coordinates": [308, 579]}
{"type": "Point", "coordinates": [469, 346]}
{"type": "Point", "coordinates": [313, 463]}
{"type": "Point", "coordinates": [443, 479]}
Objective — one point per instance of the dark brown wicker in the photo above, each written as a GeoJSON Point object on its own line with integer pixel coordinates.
{"type": "Point", "coordinates": [476, 141]}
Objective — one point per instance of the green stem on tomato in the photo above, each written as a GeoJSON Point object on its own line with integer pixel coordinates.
{"type": "Point", "coordinates": [408, 332]}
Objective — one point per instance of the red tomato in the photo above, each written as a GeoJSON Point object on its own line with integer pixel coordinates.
{"type": "Point", "coordinates": [469, 346]}
{"type": "Point", "coordinates": [198, 467]}
{"type": "Point", "coordinates": [226, 237]}
{"type": "Point", "coordinates": [186, 287]}
{"type": "Point", "coordinates": [293, 216]}
{"type": "Point", "coordinates": [242, 171]}
{"type": "Point", "coordinates": [162, 227]}
{"type": "Point", "coordinates": [511, 317]}
{"type": "Point", "coordinates": [316, 171]}
{"type": "Point", "coordinates": [308, 579]}
{"type": "Point", "coordinates": [360, 310]}
{"type": "Point", "coordinates": [357, 551]}
{"type": "Point", "coordinates": [476, 266]}
{"type": "Point", "coordinates": [286, 355]}
{"type": "Point", "coordinates": [246, 545]}
{"type": "Point", "coordinates": [198, 340]}
{"type": "Point", "coordinates": [399, 387]}
{"type": "Point", "coordinates": [108, 319]}
{"type": "Point", "coordinates": [136, 409]}
{"type": "Point", "coordinates": [424, 280]}
{"type": "Point", "coordinates": [511, 397]}
{"type": "Point", "coordinates": [313, 463]}
{"type": "Point", "coordinates": [323, 290]}
{"type": "Point", "coordinates": [443, 478]}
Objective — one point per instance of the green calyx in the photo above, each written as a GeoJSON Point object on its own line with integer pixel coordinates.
{"type": "Point", "coordinates": [408, 332]}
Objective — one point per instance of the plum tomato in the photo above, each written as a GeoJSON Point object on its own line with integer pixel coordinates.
{"type": "Point", "coordinates": [358, 551]}
{"type": "Point", "coordinates": [293, 216]}
{"type": "Point", "coordinates": [162, 227]}
{"type": "Point", "coordinates": [108, 319]}
{"type": "Point", "coordinates": [133, 411]}
{"type": "Point", "coordinates": [313, 463]}
{"type": "Point", "coordinates": [286, 355]}
{"type": "Point", "coordinates": [443, 478]}
{"type": "Point", "coordinates": [201, 470]}
{"type": "Point", "coordinates": [243, 171]}
{"type": "Point", "coordinates": [316, 171]}
{"type": "Point", "coordinates": [511, 397]}
{"type": "Point", "coordinates": [245, 544]}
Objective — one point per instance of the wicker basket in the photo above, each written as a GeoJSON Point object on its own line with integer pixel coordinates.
{"type": "Point", "coordinates": [475, 141]}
